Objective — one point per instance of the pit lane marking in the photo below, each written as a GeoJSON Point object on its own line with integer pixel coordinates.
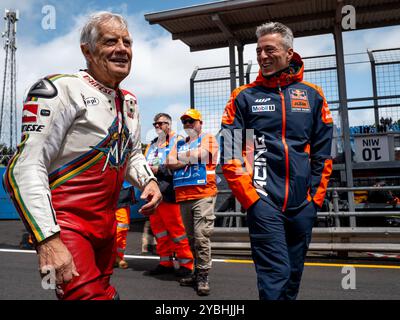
{"type": "Point", "coordinates": [17, 251]}
{"type": "Point", "coordinates": [337, 265]}
{"type": "Point", "coordinates": [307, 264]}
{"type": "Point", "coordinates": [370, 266]}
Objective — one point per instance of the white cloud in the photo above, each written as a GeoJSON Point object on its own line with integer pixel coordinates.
{"type": "Point", "coordinates": [382, 38]}
{"type": "Point", "coordinates": [161, 67]}
{"type": "Point", "coordinates": [175, 110]}
{"type": "Point", "coordinates": [305, 46]}
{"type": "Point", "coordinates": [315, 45]}
{"type": "Point", "coordinates": [61, 55]}
{"type": "Point", "coordinates": [22, 6]}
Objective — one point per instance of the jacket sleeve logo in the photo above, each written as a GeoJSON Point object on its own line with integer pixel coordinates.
{"type": "Point", "coordinates": [29, 113]}
{"type": "Point", "coordinates": [44, 88]}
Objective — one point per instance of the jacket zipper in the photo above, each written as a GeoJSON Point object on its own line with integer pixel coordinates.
{"type": "Point", "coordinates": [285, 147]}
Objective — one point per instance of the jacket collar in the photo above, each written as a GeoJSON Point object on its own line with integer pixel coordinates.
{"type": "Point", "coordinates": [92, 82]}
{"type": "Point", "coordinates": [294, 73]}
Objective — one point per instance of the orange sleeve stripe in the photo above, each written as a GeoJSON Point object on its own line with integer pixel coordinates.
{"type": "Point", "coordinates": [323, 185]}
{"type": "Point", "coordinates": [309, 198]}
{"type": "Point", "coordinates": [240, 183]}
{"type": "Point", "coordinates": [314, 86]}
{"type": "Point", "coordinates": [248, 157]}
{"type": "Point", "coordinates": [239, 178]}
{"type": "Point", "coordinates": [325, 112]}
{"type": "Point", "coordinates": [307, 149]}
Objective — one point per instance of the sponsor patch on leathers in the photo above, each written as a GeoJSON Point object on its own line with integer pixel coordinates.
{"type": "Point", "coordinates": [35, 118]}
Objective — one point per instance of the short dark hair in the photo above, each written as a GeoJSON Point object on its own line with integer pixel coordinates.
{"type": "Point", "coordinates": [165, 115]}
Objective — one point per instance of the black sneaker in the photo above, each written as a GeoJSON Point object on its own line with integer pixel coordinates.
{"type": "Point", "coordinates": [183, 272]}
{"type": "Point", "coordinates": [160, 269]}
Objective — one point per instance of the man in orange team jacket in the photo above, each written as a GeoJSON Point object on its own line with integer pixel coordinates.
{"type": "Point", "coordinates": [166, 223]}
{"type": "Point", "coordinates": [286, 182]}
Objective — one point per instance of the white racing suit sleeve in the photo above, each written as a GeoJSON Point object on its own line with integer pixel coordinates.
{"type": "Point", "coordinates": [138, 172]}
{"type": "Point", "coordinates": [45, 122]}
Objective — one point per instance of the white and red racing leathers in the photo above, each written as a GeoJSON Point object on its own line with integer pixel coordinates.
{"type": "Point", "coordinates": [80, 140]}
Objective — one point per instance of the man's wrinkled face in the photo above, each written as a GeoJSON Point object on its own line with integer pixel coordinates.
{"type": "Point", "coordinates": [272, 56]}
{"type": "Point", "coordinates": [112, 56]}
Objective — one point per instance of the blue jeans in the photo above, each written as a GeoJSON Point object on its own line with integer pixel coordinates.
{"type": "Point", "coordinates": [279, 243]}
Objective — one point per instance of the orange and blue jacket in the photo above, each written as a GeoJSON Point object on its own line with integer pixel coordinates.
{"type": "Point", "coordinates": [288, 128]}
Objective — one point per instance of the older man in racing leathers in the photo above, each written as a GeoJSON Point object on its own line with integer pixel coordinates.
{"type": "Point", "coordinates": [80, 140]}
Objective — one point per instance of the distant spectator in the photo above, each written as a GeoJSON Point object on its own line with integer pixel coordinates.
{"type": "Point", "coordinates": [382, 196]}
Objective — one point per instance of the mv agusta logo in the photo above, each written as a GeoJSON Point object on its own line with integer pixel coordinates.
{"type": "Point", "coordinates": [118, 149]}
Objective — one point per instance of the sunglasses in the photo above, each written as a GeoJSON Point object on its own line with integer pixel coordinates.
{"type": "Point", "coordinates": [190, 121]}
{"type": "Point", "coordinates": [160, 123]}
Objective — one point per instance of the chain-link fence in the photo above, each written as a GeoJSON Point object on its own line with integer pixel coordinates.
{"type": "Point", "coordinates": [210, 93]}
{"type": "Point", "coordinates": [387, 70]}
{"type": "Point", "coordinates": [373, 78]}
{"type": "Point", "coordinates": [374, 112]}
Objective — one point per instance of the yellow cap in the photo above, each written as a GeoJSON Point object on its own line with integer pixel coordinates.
{"type": "Point", "coordinates": [192, 113]}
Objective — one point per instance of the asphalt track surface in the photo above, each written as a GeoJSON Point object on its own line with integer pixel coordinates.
{"type": "Point", "coordinates": [231, 278]}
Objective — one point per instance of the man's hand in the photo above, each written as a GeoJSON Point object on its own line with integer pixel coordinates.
{"type": "Point", "coordinates": [152, 194]}
{"type": "Point", "coordinates": [54, 254]}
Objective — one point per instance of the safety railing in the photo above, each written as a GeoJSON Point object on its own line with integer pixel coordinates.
{"type": "Point", "coordinates": [334, 237]}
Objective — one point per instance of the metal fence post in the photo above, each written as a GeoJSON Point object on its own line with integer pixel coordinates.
{"type": "Point", "coordinates": [374, 88]}
{"type": "Point", "coordinates": [240, 64]}
{"type": "Point", "coordinates": [248, 70]}
{"type": "Point", "coordinates": [335, 199]}
{"type": "Point", "coordinates": [192, 96]}
{"type": "Point", "coordinates": [344, 115]}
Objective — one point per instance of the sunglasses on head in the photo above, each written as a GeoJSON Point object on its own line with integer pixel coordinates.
{"type": "Point", "coordinates": [159, 123]}
{"type": "Point", "coordinates": [190, 121]}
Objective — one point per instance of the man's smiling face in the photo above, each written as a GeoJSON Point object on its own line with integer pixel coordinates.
{"type": "Point", "coordinates": [272, 56]}
{"type": "Point", "coordinates": [110, 61]}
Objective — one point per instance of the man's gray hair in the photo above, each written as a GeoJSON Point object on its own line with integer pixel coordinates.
{"type": "Point", "coordinates": [276, 27]}
{"type": "Point", "coordinates": [90, 33]}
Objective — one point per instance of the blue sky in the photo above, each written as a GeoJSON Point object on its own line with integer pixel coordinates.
{"type": "Point", "coordinates": [31, 12]}
{"type": "Point", "coordinates": [161, 67]}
